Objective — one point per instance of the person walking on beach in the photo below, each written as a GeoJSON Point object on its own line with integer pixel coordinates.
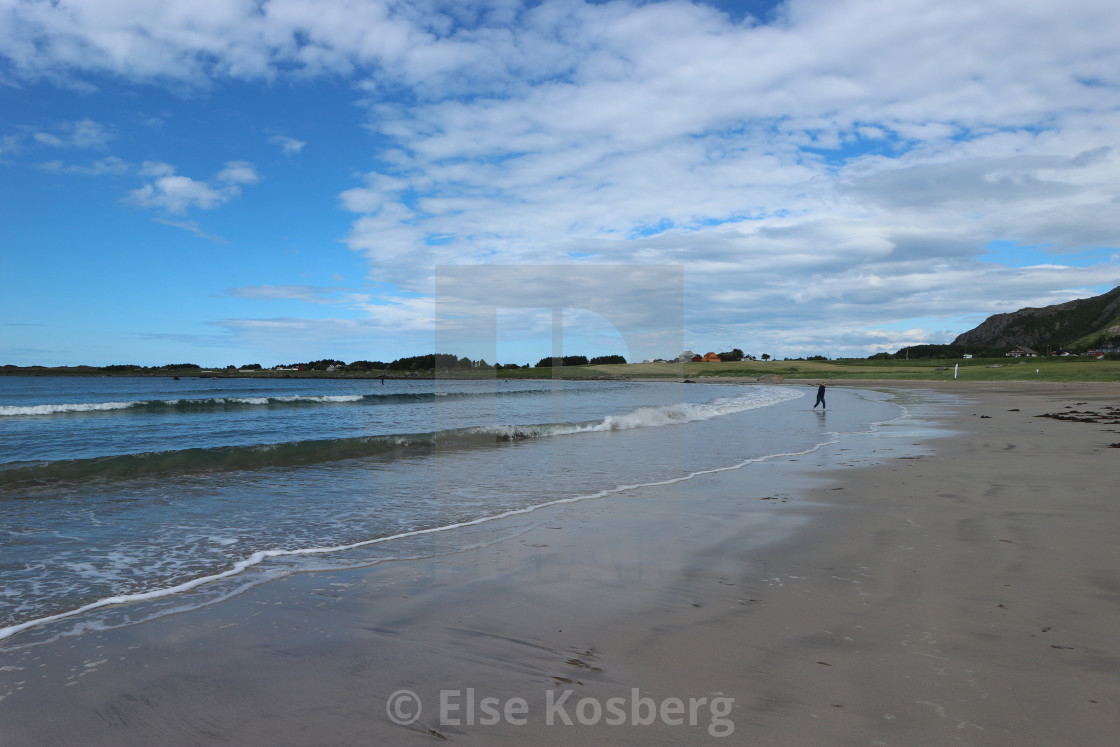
{"type": "Point", "coordinates": [820, 398]}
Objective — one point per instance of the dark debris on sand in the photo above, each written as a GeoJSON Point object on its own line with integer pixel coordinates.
{"type": "Point", "coordinates": [1112, 417]}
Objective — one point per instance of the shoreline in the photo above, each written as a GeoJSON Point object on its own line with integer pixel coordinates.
{"type": "Point", "coordinates": [894, 600]}
{"type": "Point", "coordinates": [143, 605]}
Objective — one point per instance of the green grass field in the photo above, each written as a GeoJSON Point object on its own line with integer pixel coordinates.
{"type": "Point", "coordinates": [976, 369]}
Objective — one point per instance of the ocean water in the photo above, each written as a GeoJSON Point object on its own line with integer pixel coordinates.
{"type": "Point", "coordinates": [124, 498]}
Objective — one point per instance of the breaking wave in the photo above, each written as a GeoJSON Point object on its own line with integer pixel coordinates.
{"type": "Point", "coordinates": [17, 475]}
{"type": "Point", "coordinates": [217, 404]}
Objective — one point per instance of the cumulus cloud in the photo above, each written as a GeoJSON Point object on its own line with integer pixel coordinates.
{"type": "Point", "coordinates": [84, 133]}
{"type": "Point", "coordinates": [173, 193]}
{"type": "Point", "coordinates": [195, 42]}
{"type": "Point", "coordinates": [289, 145]}
{"type": "Point", "coordinates": [80, 134]}
{"type": "Point", "coordinates": [824, 178]}
{"type": "Point", "coordinates": [238, 172]}
{"type": "Point", "coordinates": [818, 166]}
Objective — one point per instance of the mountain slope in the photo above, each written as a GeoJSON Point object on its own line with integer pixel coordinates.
{"type": "Point", "coordinates": [1077, 325]}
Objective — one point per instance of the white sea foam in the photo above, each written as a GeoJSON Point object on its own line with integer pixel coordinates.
{"type": "Point", "coordinates": [643, 417]}
{"type": "Point", "coordinates": [320, 398]}
{"type": "Point", "coordinates": [654, 417]}
{"type": "Point", "coordinates": [689, 412]}
{"type": "Point", "coordinates": [66, 407]}
{"type": "Point", "coordinates": [647, 417]}
{"type": "Point", "coordinates": [261, 556]}
{"type": "Point", "coordinates": [71, 407]}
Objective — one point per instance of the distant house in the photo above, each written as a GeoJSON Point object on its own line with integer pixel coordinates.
{"type": "Point", "coordinates": [696, 359]}
{"type": "Point", "coordinates": [1021, 352]}
{"type": "Point", "coordinates": [711, 358]}
{"type": "Point", "coordinates": [686, 356]}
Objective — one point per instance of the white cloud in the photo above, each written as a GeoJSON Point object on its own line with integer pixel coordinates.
{"type": "Point", "coordinates": [238, 172]}
{"type": "Point", "coordinates": [101, 167]}
{"type": "Point", "coordinates": [192, 227]}
{"type": "Point", "coordinates": [174, 193]}
{"type": "Point", "coordinates": [306, 293]}
{"type": "Point", "coordinates": [818, 177]}
{"type": "Point", "coordinates": [45, 138]}
{"type": "Point", "coordinates": [192, 40]}
{"type": "Point", "coordinates": [290, 338]}
{"type": "Point", "coordinates": [83, 133]}
{"type": "Point", "coordinates": [822, 165]}
{"type": "Point", "coordinates": [289, 145]}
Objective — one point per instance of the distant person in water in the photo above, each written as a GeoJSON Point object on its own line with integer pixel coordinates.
{"type": "Point", "coordinates": [820, 398]}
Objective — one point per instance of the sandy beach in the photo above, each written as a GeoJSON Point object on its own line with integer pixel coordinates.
{"type": "Point", "coordinates": [952, 578]}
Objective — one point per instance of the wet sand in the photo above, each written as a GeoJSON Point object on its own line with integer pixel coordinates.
{"type": "Point", "coordinates": [897, 588]}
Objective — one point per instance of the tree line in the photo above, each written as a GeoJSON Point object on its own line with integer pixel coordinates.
{"type": "Point", "coordinates": [447, 361]}
{"type": "Point", "coordinates": [429, 362]}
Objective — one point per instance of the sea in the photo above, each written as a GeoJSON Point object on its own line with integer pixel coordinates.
{"type": "Point", "coordinates": [126, 498]}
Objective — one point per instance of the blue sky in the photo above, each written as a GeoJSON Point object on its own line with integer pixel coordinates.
{"type": "Point", "coordinates": [276, 181]}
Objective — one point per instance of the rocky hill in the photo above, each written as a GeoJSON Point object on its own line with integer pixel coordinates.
{"type": "Point", "coordinates": [1075, 325]}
